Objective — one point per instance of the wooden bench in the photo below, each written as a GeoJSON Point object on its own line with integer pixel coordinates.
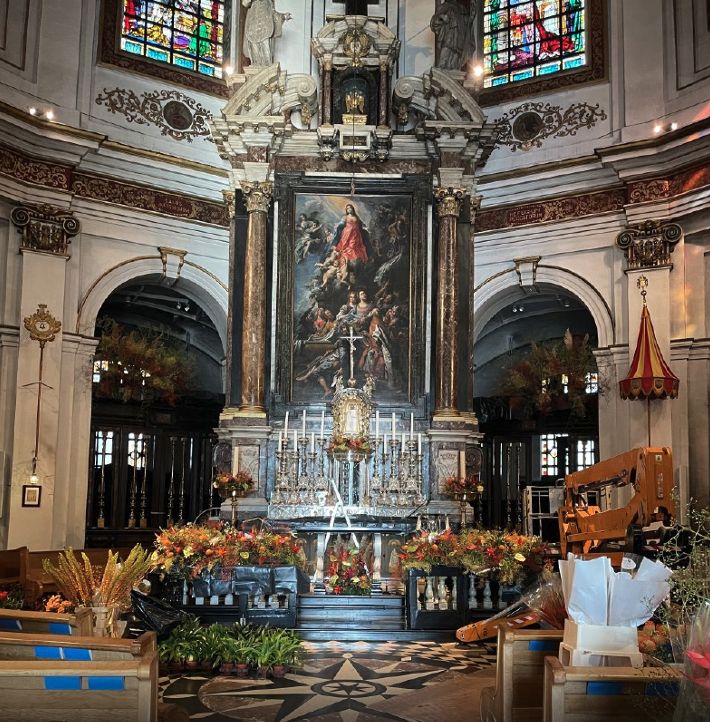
{"type": "Point", "coordinates": [13, 565]}
{"type": "Point", "coordinates": [597, 694]}
{"type": "Point", "coordinates": [38, 582]}
{"type": "Point", "coordinates": [70, 691]}
{"type": "Point", "coordinates": [86, 649]}
{"type": "Point", "coordinates": [520, 666]}
{"type": "Point", "coordinates": [80, 623]}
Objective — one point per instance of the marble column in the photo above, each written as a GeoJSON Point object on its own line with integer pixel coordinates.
{"type": "Point", "coordinates": [229, 199]}
{"type": "Point", "coordinates": [257, 196]}
{"type": "Point", "coordinates": [448, 202]}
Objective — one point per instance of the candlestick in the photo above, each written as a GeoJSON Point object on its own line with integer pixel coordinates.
{"type": "Point", "coordinates": [304, 422]}
{"type": "Point", "coordinates": [322, 423]}
{"type": "Point", "coordinates": [286, 426]}
{"type": "Point", "coordinates": [377, 424]}
{"type": "Point", "coordinates": [313, 441]}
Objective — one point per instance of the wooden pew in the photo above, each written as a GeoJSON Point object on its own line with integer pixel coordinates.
{"type": "Point", "coordinates": [59, 646]}
{"type": "Point", "coordinates": [68, 691]}
{"type": "Point", "coordinates": [597, 694]}
{"type": "Point", "coordinates": [80, 623]}
{"type": "Point", "coordinates": [13, 565]}
{"type": "Point", "coordinates": [520, 665]}
{"type": "Point", "coordinates": [38, 582]}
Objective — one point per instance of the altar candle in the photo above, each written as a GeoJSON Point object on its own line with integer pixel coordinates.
{"type": "Point", "coordinates": [384, 443]}
{"type": "Point", "coordinates": [411, 427]}
{"type": "Point", "coordinates": [419, 444]}
{"type": "Point", "coordinates": [286, 427]}
{"type": "Point", "coordinates": [281, 440]}
{"type": "Point", "coordinates": [404, 440]}
{"type": "Point", "coordinates": [377, 424]}
{"type": "Point", "coordinates": [462, 464]}
{"type": "Point", "coordinates": [295, 440]}
{"type": "Point", "coordinates": [235, 461]}
{"type": "Point", "coordinates": [304, 422]}
{"type": "Point", "coordinates": [322, 424]}
{"type": "Point", "coordinates": [313, 441]}
{"type": "Point", "coordinates": [394, 424]}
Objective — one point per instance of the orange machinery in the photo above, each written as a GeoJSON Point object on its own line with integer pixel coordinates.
{"type": "Point", "coordinates": [586, 529]}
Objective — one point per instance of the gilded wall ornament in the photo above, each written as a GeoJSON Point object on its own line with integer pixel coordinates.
{"type": "Point", "coordinates": [45, 228]}
{"type": "Point", "coordinates": [526, 126]}
{"type": "Point", "coordinates": [449, 201]}
{"type": "Point", "coordinates": [257, 196]}
{"type": "Point", "coordinates": [176, 114]}
{"type": "Point", "coordinates": [649, 244]}
{"type": "Point", "coordinates": [356, 44]}
{"type": "Point", "coordinates": [43, 327]}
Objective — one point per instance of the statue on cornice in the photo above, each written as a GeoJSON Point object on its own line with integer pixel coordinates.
{"type": "Point", "coordinates": [261, 26]}
{"type": "Point", "coordinates": [454, 31]}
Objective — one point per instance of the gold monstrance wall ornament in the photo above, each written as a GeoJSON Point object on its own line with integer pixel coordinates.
{"type": "Point", "coordinates": [43, 327]}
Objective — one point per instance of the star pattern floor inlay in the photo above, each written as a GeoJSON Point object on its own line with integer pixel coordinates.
{"type": "Point", "coordinates": [338, 682]}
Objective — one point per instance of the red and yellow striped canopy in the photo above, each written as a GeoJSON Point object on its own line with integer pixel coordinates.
{"type": "Point", "coordinates": [649, 376]}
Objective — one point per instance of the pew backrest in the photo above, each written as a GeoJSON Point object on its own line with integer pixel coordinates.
{"type": "Point", "coordinates": [80, 623]}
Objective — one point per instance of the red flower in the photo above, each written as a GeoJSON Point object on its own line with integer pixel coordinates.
{"type": "Point", "coordinates": [3, 596]}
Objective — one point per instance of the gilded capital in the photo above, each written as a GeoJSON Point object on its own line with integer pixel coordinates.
{"type": "Point", "coordinates": [229, 202]}
{"type": "Point", "coordinates": [649, 244]}
{"type": "Point", "coordinates": [45, 228]}
{"type": "Point", "coordinates": [257, 196]}
{"type": "Point", "coordinates": [449, 201]}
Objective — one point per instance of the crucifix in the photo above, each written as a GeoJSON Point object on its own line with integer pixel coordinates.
{"type": "Point", "coordinates": [355, 7]}
{"type": "Point", "coordinates": [351, 340]}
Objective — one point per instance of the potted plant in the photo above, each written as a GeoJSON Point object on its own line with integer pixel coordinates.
{"type": "Point", "coordinates": [285, 649]}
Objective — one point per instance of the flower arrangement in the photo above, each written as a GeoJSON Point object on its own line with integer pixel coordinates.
{"type": "Point", "coordinates": [347, 573]}
{"type": "Point", "coordinates": [192, 550]}
{"type": "Point", "coordinates": [341, 444]}
{"type": "Point", "coordinates": [12, 596]}
{"type": "Point", "coordinates": [654, 640]}
{"type": "Point", "coordinates": [425, 550]}
{"type": "Point", "coordinates": [84, 584]}
{"type": "Point", "coordinates": [459, 485]}
{"type": "Point", "coordinates": [57, 603]}
{"type": "Point", "coordinates": [226, 483]}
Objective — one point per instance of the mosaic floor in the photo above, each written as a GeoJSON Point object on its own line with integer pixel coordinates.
{"type": "Point", "coordinates": [339, 682]}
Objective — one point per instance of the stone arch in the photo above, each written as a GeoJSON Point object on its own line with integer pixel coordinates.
{"type": "Point", "coordinates": [491, 296]}
{"type": "Point", "coordinates": [195, 281]}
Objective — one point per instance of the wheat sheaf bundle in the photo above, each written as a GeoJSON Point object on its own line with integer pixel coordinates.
{"type": "Point", "coordinates": [84, 584]}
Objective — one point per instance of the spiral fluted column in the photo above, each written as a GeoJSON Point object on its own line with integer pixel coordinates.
{"type": "Point", "coordinates": [448, 202]}
{"type": "Point", "coordinates": [257, 196]}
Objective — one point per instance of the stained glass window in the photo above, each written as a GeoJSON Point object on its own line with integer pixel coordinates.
{"type": "Point", "coordinates": [526, 39]}
{"type": "Point", "coordinates": [186, 33]}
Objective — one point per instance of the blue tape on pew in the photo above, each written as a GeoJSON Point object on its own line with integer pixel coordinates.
{"type": "Point", "coordinates": [605, 688]}
{"type": "Point", "coordinates": [13, 625]}
{"type": "Point", "coordinates": [543, 645]}
{"type": "Point", "coordinates": [48, 652]}
{"type": "Point", "coordinates": [77, 655]}
{"type": "Point", "coordinates": [62, 683]}
{"type": "Point", "coordinates": [109, 683]}
{"type": "Point", "coordinates": [59, 628]}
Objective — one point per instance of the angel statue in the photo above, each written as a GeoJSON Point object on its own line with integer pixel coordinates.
{"type": "Point", "coordinates": [261, 26]}
{"type": "Point", "coordinates": [355, 101]}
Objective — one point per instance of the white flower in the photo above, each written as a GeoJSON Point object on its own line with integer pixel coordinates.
{"type": "Point", "coordinates": [519, 557]}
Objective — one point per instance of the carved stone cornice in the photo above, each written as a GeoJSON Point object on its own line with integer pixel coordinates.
{"type": "Point", "coordinates": [257, 195]}
{"type": "Point", "coordinates": [45, 228]}
{"type": "Point", "coordinates": [449, 201]}
{"type": "Point", "coordinates": [649, 244]}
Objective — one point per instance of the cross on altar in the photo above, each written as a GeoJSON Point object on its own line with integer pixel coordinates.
{"type": "Point", "coordinates": [351, 340]}
{"type": "Point", "coordinates": [355, 7]}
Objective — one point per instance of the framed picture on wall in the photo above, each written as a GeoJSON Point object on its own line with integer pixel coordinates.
{"type": "Point", "coordinates": [355, 270]}
{"type": "Point", "coordinates": [31, 494]}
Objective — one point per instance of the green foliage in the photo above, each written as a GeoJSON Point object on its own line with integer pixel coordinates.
{"type": "Point", "coordinates": [535, 382]}
{"type": "Point", "coordinates": [145, 364]}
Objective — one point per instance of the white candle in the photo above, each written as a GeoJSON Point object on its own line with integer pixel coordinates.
{"type": "Point", "coordinates": [384, 444]}
{"type": "Point", "coordinates": [281, 440]}
{"type": "Point", "coordinates": [235, 461]}
{"type": "Point", "coordinates": [411, 427]}
{"type": "Point", "coordinates": [394, 425]}
{"type": "Point", "coordinates": [404, 440]}
{"type": "Point", "coordinates": [377, 424]}
{"type": "Point", "coordinates": [286, 426]}
{"type": "Point", "coordinates": [304, 422]}
{"type": "Point", "coordinates": [313, 441]}
{"type": "Point", "coordinates": [462, 463]}
{"type": "Point", "coordinates": [295, 440]}
{"type": "Point", "coordinates": [419, 443]}
{"type": "Point", "coordinates": [322, 424]}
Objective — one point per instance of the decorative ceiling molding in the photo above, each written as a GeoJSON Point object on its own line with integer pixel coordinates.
{"type": "Point", "coordinates": [176, 114]}
{"type": "Point", "coordinates": [526, 126]}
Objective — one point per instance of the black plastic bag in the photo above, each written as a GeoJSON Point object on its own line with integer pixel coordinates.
{"type": "Point", "coordinates": [155, 614]}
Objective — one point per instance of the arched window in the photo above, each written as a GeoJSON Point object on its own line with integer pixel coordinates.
{"type": "Point", "coordinates": [533, 46]}
{"type": "Point", "coordinates": [186, 33]}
